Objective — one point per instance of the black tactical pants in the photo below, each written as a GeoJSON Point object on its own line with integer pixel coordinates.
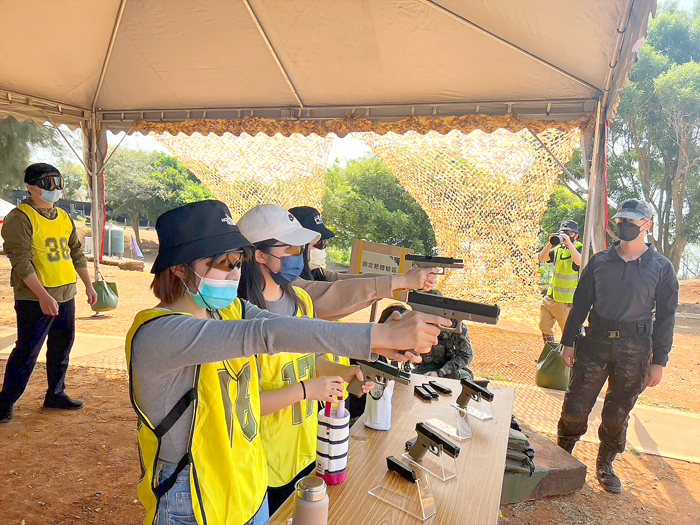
{"type": "Point", "coordinates": [624, 363]}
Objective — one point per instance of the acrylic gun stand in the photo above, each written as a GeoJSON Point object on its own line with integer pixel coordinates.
{"type": "Point", "coordinates": [441, 470]}
{"type": "Point", "coordinates": [420, 503]}
{"type": "Point", "coordinates": [482, 410]}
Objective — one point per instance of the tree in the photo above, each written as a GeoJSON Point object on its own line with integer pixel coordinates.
{"type": "Point", "coordinates": [131, 188]}
{"type": "Point", "coordinates": [654, 148]}
{"type": "Point", "coordinates": [75, 181]}
{"type": "Point", "coordinates": [563, 205]}
{"type": "Point", "coordinates": [364, 200]}
{"type": "Point", "coordinates": [16, 142]}
{"type": "Point", "coordinates": [180, 184]}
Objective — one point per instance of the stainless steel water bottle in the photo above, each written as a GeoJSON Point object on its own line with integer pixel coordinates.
{"type": "Point", "coordinates": [310, 502]}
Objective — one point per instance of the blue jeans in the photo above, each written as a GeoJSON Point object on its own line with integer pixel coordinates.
{"type": "Point", "coordinates": [176, 505]}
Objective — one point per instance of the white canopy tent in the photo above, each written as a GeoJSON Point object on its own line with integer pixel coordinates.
{"type": "Point", "coordinates": [107, 64]}
{"type": "Point", "coordinates": [5, 208]}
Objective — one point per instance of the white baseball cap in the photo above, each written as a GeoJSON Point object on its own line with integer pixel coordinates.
{"type": "Point", "coordinates": [269, 221]}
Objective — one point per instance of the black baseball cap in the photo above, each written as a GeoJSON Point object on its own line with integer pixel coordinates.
{"type": "Point", "coordinates": [569, 226]}
{"type": "Point", "coordinates": [310, 218]}
{"type": "Point", "coordinates": [195, 231]}
{"type": "Point", "coordinates": [635, 209]}
{"type": "Point", "coordinates": [39, 170]}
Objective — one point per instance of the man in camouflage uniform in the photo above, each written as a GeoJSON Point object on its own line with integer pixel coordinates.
{"type": "Point", "coordinates": [631, 292]}
{"type": "Point", "coordinates": [450, 357]}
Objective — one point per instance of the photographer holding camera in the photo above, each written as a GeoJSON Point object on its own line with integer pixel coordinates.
{"type": "Point", "coordinates": [563, 249]}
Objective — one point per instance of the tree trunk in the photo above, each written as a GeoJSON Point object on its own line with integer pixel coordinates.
{"type": "Point", "coordinates": [676, 252]}
{"type": "Point", "coordinates": [135, 226]}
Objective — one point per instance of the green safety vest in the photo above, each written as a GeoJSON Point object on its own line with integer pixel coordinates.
{"type": "Point", "coordinates": [565, 278]}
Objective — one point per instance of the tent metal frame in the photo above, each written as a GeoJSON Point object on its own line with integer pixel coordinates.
{"type": "Point", "coordinates": [94, 121]}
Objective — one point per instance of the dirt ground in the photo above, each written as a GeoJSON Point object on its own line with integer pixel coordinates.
{"type": "Point", "coordinates": [82, 467]}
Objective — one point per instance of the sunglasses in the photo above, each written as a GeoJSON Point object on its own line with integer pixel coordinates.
{"type": "Point", "coordinates": [291, 250]}
{"type": "Point", "coordinates": [50, 182]}
{"type": "Point", "coordinates": [322, 244]}
{"type": "Point", "coordinates": [228, 261]}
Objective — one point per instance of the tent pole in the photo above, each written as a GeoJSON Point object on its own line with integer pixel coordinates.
{"type": "Point", "coordinates": [94, 215]}
{"type": "Point", "coordinates": [551, 153]}
{"type": "Point", "coordinates": [590, 235]}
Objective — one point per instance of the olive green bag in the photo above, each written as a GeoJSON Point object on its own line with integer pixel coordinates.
{"type": "Point", "coordinates": [107, 295]}
{"type": "Point", "coordinates": [551, 371]}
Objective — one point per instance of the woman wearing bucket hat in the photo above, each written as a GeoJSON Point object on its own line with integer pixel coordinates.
{"type": "Point", "coordinates": [337, 295]}
{"type": "Point", "coordinates": [289, 425]}
{"type": "Point", "coordinates": [193, 381]}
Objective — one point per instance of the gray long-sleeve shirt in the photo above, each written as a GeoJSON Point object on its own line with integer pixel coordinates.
{"type": "Point", "coordinates": [166, 351]}
{"type": "Point", "coordinates": [629, 292]}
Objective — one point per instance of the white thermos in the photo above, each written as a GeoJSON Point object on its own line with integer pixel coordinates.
{"type": "Point", "coordinates": [310, 502]}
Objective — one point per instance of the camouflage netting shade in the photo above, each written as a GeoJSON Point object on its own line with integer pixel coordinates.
{"type": "Point", "coordinates": [245, 171]}
{"type": "Point", "coordinates": [484, 194]}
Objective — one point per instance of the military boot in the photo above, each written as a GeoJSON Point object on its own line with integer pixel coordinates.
{"type": "Point", "coordinates": [604, 470]}
{"type": "Point", "coordinates": [566, 444]}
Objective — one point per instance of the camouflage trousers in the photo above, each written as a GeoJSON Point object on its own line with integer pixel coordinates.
{"type": "Point", "coordinates": [624, 363]}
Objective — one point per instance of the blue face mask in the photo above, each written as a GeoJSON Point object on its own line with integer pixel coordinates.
{"type": "Point", "coordinates": [51, 196]}
{"type": "Point", "coordinates": [214, 294]}
{"type": "Point", "coordinates": [291, 268]}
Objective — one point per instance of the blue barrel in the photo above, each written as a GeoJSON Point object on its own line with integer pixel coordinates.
{"type": "Point", "coordinates": [114, 240]}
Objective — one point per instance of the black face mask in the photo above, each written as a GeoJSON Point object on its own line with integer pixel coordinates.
{"type": "Point", "coordinates": [628, 231]}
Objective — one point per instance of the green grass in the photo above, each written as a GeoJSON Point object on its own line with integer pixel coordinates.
{"type": "Point", "coordinates": [658, 403]}
{"type": "Point", "coordinates": [492, 377]}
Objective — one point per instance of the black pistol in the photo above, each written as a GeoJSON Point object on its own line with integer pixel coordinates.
{"type": "Point", "coordinates": [427, 440]}
{"type": "Point", "coordinates": [427, 261]}
{"type": "Point", "coordinates": [379, 372]}
{"type": "Point", "coordinates": [471, 390]}
{"type": "Point", "coordinates": [454, 309]}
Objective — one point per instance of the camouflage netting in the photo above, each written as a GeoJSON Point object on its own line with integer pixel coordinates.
{"type": "Point", "coordinates": [244, 171]}
{"type": "Point", "coordinates": [484, 194]}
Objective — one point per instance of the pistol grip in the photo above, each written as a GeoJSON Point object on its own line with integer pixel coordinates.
{"type": "Point", "coordinates": [355, 387]}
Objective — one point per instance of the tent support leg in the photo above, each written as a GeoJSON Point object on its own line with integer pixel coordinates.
{"type": "Point", "coordinates": [594, 229]}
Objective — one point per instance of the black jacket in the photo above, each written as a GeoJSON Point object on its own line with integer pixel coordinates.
{"type": "Point", "coordinates": [631, 292]}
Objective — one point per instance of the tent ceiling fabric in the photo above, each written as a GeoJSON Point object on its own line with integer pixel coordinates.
{"type": "Point", "coordinates": [176, 60]}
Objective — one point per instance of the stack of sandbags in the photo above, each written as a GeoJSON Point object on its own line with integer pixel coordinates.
{"type": "Point", "coordinates": [520, 455]}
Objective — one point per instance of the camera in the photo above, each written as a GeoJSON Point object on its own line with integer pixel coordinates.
{"type": "Point", "coordinates": [557, 238]}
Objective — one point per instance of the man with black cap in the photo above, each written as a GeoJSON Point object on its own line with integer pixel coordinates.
{"type": "Point", "coordinates": [563, 249]}
{"type": "Point", "coordinates": [631, 292]}
{"type": "Point", "coordinates": [45, 254]}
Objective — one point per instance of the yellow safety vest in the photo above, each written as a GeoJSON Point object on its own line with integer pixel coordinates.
{"type": "Point", "coordinates": [50, 250]}
{"type": "Point", "coordinates": [228, 476]}
{"type": "Point", "coordinates": [565, 278]}
{"type": "Point", "coordinates": [289, 435]}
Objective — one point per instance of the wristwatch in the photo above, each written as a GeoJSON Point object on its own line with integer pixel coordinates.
{"type": "Point", "coordinates": [440, 373]}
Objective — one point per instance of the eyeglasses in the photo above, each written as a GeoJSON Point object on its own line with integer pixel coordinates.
{"type": "Point", "coordinates": [291, 250]}
{"type": "Point", "coordinates": [50, 182]}
{"type": "Point", "coordinates": [322, 244]}
{"type": "Point", "coordinates": [228, 261]}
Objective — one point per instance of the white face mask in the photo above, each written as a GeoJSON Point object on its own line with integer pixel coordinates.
{"type": "Point", "coordinates": [51, 196]}
{"type": "Point", "coordinates": [317, 258]}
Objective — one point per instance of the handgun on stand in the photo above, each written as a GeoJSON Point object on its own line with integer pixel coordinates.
{"type": "Point", "coordinates": [427, 440]}
{"type": "Point", "coordinates": [470, 390]}
{"type": "Point", "coordinates": [379, 372]}
{"type": "Point", "coordinates": [426, 261]}
{"type": "Point", "coordinates": [454, 309]}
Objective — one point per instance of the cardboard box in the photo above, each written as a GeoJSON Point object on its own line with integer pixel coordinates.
{"type": "Point", "coordinates": [379, 259]}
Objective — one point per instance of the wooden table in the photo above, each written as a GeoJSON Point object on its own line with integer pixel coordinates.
{"type": "Point", "coordinates": [473, 498]}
